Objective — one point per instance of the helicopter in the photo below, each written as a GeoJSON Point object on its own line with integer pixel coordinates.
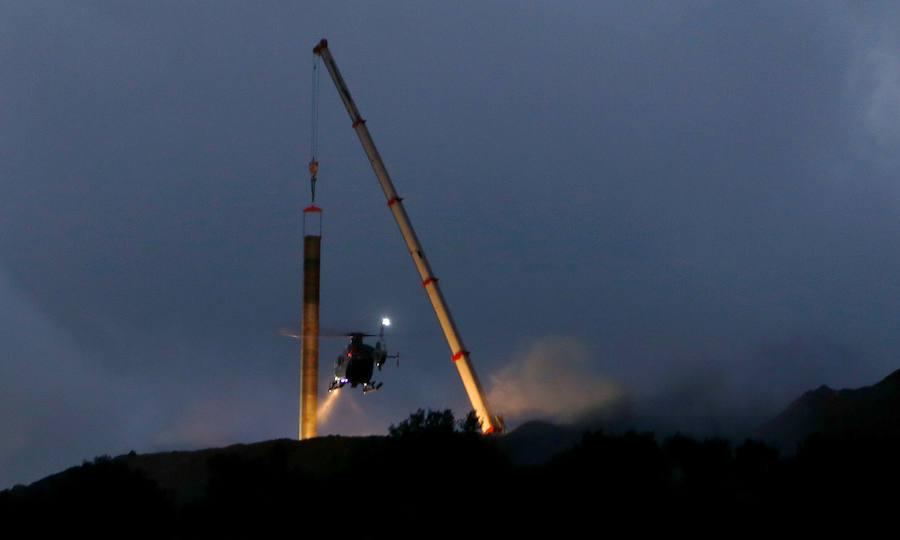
{"type": "Point", "coordinates": [358, 361]}
{"type": "Point", "coordinates": [355, 365]}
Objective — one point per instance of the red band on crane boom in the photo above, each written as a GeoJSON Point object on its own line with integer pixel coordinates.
{"type": "Point", "coordinates": [459, 355]}
{"type": "Point", "coordinates": [429, 281]}
{"type": "Point", "coordinates": [394, 200]}
{"type": "Point", "coordinates": [358, 122]}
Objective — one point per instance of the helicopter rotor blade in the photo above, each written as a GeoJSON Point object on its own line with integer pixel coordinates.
{"type": "Point", "coordinates": [295, 333]}
{"type": "Point", "coordinates": [289, 332]}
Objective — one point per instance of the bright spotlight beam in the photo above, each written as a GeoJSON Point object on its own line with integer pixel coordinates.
{"type": "Point", "coordinates": [385, 322]}
{"type": "Point", "coordinates": [328, 407]}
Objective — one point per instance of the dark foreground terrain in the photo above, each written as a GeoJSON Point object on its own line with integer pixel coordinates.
{"type": "Point", "coordinates": [434, 477]}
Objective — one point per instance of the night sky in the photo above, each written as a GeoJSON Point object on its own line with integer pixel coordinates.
{"type": "Point", "coordinates": [691, 207]}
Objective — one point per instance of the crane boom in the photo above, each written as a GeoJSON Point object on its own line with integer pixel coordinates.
{"type": "Point", "coordinates": [460, 356]}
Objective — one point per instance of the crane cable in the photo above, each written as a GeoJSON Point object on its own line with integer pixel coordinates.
{"type": "Point", "coordinates": [314, 131]}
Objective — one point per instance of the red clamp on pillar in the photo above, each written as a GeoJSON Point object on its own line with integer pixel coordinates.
{"type": "Point", "coordinates": [459, 355]}
{"type": "Point", "coordinates": [312, 228]}
{"type": "Point", "coordinates": [429, 281]}
{"type": "Point", "coordinates": [358, 122]}
{"type": "Point", "coordinates": [395, 200]}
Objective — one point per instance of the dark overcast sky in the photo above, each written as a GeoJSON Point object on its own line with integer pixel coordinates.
{"type": "Point", "coordinates": [691, 203]}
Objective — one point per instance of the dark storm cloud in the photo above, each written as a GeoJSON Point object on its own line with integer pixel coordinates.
{"type": "Point", "coordinates": [680, 187]}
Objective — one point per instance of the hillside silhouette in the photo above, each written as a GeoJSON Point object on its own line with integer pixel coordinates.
{"type": "Point", "coordinates": [868, 413]}
{"type": "Point", "coordinates": [434, 475]}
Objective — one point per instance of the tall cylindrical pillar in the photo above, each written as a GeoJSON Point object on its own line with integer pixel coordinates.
{"type": "Point", "coordinates": [309, 336]}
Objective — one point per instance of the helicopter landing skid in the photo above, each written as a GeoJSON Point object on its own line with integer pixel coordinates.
{"type": "Point", "coordinates": [371, 387]}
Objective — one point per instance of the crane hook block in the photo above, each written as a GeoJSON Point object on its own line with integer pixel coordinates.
{"type": "Point", "coordinates": [313, 168]}
{"type": "Point", "coordinates": [322, 45]}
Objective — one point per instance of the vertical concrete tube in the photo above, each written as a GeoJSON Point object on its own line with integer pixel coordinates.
{"type": "Point", "coordinates": [309, 370]}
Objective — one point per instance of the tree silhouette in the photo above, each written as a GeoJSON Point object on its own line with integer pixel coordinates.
{"type": "Point", "coordinates": [420, 423]}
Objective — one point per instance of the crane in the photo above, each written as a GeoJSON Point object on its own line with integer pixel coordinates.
{"type": "Point", "coordinates": [459, 355]}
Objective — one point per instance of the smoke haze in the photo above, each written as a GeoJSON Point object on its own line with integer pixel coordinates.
{"type": "Point", "coordinates": [552, 379]}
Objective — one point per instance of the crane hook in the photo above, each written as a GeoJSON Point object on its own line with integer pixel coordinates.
{"type": "Point", "coordinates": [313, 173]}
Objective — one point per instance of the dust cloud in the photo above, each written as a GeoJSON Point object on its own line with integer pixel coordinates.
{"type": "Point", "coordinates": [552, 379]}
